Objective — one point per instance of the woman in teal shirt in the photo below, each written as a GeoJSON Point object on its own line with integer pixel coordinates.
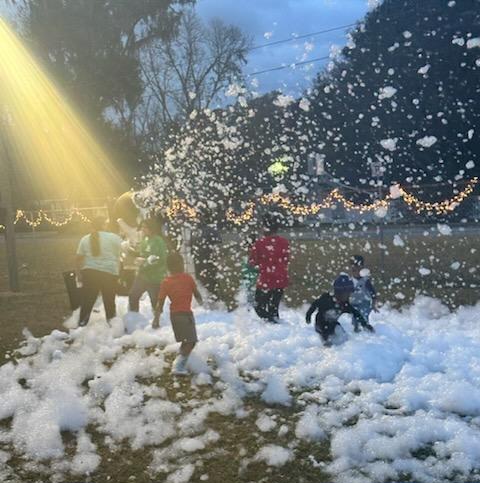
{"type": "Point", "coordinates": [97, 267]}
{"type": "Point", "coordinates": [152, 253]}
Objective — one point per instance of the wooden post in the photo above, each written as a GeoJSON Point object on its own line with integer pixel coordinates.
{"type": "Point", "coordinates": [7, 204]}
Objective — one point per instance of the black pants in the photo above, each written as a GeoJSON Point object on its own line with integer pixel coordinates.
{"type": "Point", "coordinates": [326, 329]}
{"type": "Point", "coordinates": [267, 302]}
{"type": "Point", "coordinates": [95, 282]}
{"type": "Point", "coordinates": [330, 332]}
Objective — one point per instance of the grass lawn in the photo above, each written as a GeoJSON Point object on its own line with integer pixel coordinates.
{"type": "Point", "coordinates": [42, 304]}
{"type": "Point", "coordinates": [454, 262]}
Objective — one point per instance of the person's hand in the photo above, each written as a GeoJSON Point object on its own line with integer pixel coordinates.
{"type": "Point", "coordinates": [308, 321]}
{"type": "Point", "coordinates": [152, 259]}
{"type": "Point", "coordinates": [139, 261]}
{"type": "Point", "coordinates": [156, 321]}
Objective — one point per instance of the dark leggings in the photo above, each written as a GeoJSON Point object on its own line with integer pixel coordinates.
{"type": "Point", "coordinates": [95, 282]}
{"type": "Point", "coordinates": [326, 329]}
{"type": "Point", "coordinates": [267, 302]}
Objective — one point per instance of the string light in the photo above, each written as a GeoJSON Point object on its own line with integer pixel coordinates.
{"type": "Point", "coordinates": [42, 216]}
{"type": "Point", "coordinates": [440, 208]}
{"type": "Point", "coordinates": [244, 217]}
{"type": "Point", "coordinates": [179, 206]}
{"type": "Point", "coordinates": [68, 219]}
{"type": "Point", "coordinates": [82, 217]}
{"type": "Point", "coordinates": [30, 222]}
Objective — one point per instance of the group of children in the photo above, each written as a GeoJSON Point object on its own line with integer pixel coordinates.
{"type": "Point", "coordinates": [352, 294]}
{"type": "Point", "coordinates": [265, 273]}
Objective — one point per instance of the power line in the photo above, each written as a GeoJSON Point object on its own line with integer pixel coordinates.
{"type": "Point", "coordinates": [256, 47]}
{"type": "Point", "coordinates": [273, 69]}
{"type": "Point", "coordinates": [295, 64]}
{"type": "Point", "coordinates": [297, 37]}
{"type": "Point", "coordinates": [304, 36]}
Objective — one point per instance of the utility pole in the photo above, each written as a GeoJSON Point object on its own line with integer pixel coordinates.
{"type": "Point", "coordinates": [377, 172]}
{"type": "Point", "coordinates": [6, 203]}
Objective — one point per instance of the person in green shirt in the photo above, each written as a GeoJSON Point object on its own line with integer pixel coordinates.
{"type": "Point", "coordinates": [249, 273]}
{"type": "Point", "coordinates": [152, 257]}
{"type": "Point", "coordinates": [249, 281]}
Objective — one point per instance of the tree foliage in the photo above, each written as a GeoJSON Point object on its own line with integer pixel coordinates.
{"type": "Point", "coordinates": [189, 71]}
{"type": "Point", "coordinates": [403, 93]}
{"type": "Point", "coordinates": [91, 48]}
{"type": "Point", "coordinates": [408, 78]}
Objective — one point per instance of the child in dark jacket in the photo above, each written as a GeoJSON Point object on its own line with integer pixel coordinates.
{"type": "Point", "coordinates": [329, 308]}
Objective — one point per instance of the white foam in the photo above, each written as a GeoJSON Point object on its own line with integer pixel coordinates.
{"type": "Point", "coordinates": [380, 398]}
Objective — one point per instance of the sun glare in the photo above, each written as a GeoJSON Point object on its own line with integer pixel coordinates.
{"type": "Point", "coordinates": [46, 139]}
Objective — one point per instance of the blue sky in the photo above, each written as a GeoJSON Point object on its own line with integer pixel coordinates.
{"type": "Point", "coordinates": [270, 20]}
{"type": "Point", "coordinates": [280, 19]}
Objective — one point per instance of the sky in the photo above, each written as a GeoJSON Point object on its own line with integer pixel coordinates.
{"type": "Point", "coordinates": [271, 20]}
{"type": "Point", "coordinates": [267, 21]}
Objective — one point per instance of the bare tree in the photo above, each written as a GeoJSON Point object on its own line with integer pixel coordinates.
{"type": "Point", "coordinates": [190, 71]}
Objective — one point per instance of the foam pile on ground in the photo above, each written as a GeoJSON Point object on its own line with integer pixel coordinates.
{"type": "Point", "coordinates": [404, 401]}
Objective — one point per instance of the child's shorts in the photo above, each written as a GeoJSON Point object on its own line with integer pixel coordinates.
{"type": "Point", "coordinates": [183, 325]}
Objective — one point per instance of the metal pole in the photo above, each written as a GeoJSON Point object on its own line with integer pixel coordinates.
{"type": "Point", "coordinates": [382, 238]}
{"type": "Point", "coordinates": [9, 227]}
{"type": "Point", "coordinates": [377, 174]}
{"type": "Point", "coordinates": [7, 203]}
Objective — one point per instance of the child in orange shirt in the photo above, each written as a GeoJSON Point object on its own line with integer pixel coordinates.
{"type": "Point", "coordinates": [179, 287]}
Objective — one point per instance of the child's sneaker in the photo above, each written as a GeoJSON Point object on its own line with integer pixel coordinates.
{"type": "Point", "coordinates": [179, 366]}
